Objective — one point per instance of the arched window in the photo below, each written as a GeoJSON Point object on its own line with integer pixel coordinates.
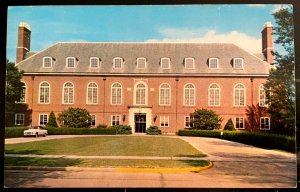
{"type": "Point", "coordinates": [164, 94]}
{"type": "Point", "coordinates": [140, 94]}
{"type": "Point", "coordinates": [189, 95]}
{"type": "Point", "coordinates": [214, 95]}
{"type": "Point", "coordinates": [68, 93]}
{"type": "Point", "coordinates": [92, 93]}
{"type": "Point", "coordinates": [23, 94]}
{"type": "Point", "coordinates": [116, 94]}
{"type": "Point", "coordinates": [44, 94]}
{"type": "Point", "coordinates": [262, 96]}
{"type": "Point", "coordinates": [239, 95]}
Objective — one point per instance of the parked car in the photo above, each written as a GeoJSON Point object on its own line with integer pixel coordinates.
{"type": "Point", "coordinates": [36, 131]}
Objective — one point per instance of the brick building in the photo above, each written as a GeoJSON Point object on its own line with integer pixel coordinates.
{"type": "Point", "coordinates": [143, 84]}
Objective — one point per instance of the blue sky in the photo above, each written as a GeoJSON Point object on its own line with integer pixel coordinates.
{"type": "Point", "coordinates": [239, 24]}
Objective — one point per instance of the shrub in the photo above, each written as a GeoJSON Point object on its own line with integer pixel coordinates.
{"type": "Point", "coordinates": [200, 133]}
{"type": "Point", "coordinates": [153, 130]}
{"type": "Point", "coordinates": [52, 120]}
{"type": "Point", "coordinates": [205, 119]}
{"type": "Point", "coordinates": [81, 131]}
{"type": "Point", "coordinates": [75, 117]}
{"type": "Point", "coordinates": [229, 125]}
{"type": "Point", "coordinates": [122, 129]}
{"type": "Point", "coordinates": [11, 132]}
{"type": "Point", "coordinates": [102, 126]}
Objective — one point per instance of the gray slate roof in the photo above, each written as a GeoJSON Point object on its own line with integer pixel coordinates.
{"type": "Point", "coordinates": [153, 52]}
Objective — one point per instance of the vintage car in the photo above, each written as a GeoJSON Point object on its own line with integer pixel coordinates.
{"type": "Point", "coordinates": [36, 131]}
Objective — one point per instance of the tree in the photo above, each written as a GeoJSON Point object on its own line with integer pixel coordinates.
{"type": "Point", "coordinates": [74, 117]}
{"type": "Point", "coordinates": [205, 119]}
{"type": "Point", "coordinates": [13, 91]}
{"type": "Point", "coordinates": [229, 125]}
{"type": "Point", "coordinates": [52, 120]}
{"type": "Point", "coordinates": [280, 86]}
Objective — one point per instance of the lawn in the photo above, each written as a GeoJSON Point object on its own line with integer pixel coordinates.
{"type": "Point", "coordinates": [108, 146]}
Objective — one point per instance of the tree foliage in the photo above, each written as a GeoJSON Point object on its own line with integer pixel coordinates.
{"type": "Point", "coordinates": [52, 120]}
{"type": "Point", "coordinates": [280, 86]}
{"type": "Point", "coordinates": [205, 119]}
{"type": "Point", "coordinates": [229, 125]}
{"type": "Point", "coordinates": [75, 117]}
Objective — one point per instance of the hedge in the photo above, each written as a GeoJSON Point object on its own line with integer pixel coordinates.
{"type": "Point", "coordinates": [82, 131]}
{"type": "Point", "coordinates": [263, 140]}
{"type": "Point", "coordinates": [11, 132]}
{"type": "Point", "coordinates": [153, 130]}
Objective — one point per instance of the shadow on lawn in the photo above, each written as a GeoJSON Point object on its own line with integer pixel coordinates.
{"type": "Point", "coordinates": [18, 151]}
{"type": "Point", "coordinates": [195, 155]}
{"type": "Point", "coordinates": [43, 162]}
{"type": "Point", "coordinates": [195, 163]}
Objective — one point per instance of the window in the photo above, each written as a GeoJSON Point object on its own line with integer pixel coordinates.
{"type": "Point", "coordinates": [239, 95]}
{"type": "Point", "coordinates": [140, 94]}
{"type": "Point", "coordinates": [116, 94]}
{"type": "Point", "coordinates": [189, 95]}
{"type": "Point", "coordinates": [141, 63]}
{"type": "Point", "coordinates": [117, 63]}
{"type": "Point", "coordinates": [19, 119]}
{"type": "Point", "coordinates": [239, 123]}
{"type": "Point", "coordinates": [265, 123]}
{"type": "Point", "coordinates": [189, 63]}
{"type": "Point", "coordinates": [164, 94]}
{"type": "Point", "coordinates": [92, 93]}
{"type": "Point", "coordinates": [68, 93]}
{"type": "Point", "coordinates": [47, 62]}
{"type": "Point", "coordinates": [43, 119]}
{"type": "Point", "coordinates": [115, 120]}
{"type": "Point", "coordinates": [238, 63]}
{"type": "Point", "coordinates": [262, 96]}
{"type": "Point", "coordinates": [23, 94]}
{"type": "Point", "coordinates": [188, 122]}
{"type": "Point", "coordinates": [165, 63]}
{"type": "Point", "coordinates": [164, 121]}
{"type": "Point", "coordinates": [94, 62]}
{"type": "Point", "coordinates": [44, 95]}
{"type": "Point", "coordinates": [70, 62]}
{"type": "Point", "coordinates": [214, 95]}
{"type": "Point", "coordinates": [92, 122]}
{"type": "Point", "coordinates": [213, 63]}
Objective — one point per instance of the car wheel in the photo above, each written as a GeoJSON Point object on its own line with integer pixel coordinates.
{"type": "Point", "coordinates": [45, 134]}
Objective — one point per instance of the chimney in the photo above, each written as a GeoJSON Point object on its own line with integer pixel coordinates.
{"type": "Point", "coordinates": [267, 42]}
{"type": "Point", "coordinates": [23, 41]}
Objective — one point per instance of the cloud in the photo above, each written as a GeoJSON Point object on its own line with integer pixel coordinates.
{"type": "Point", "coordinates": [242, 40]}
{"type": "Point", "coordinates": [277, 7]}
{"type": "Point", "coordinates": [256, 5]}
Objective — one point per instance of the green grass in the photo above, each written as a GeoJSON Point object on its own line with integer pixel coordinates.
{"type": "Point", "coordinates": [63, 162]}
{"type": "Point", "coordinates": [108, 146]}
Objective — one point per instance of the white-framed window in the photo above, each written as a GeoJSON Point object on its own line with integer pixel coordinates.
{"type": "Point", "coordinates": [164, 121]}
{"type": "Point", "coordinates": [262, 96]}
{"type": "Point", "coordinates": [265, 123]}
{"type": "Point", "coordinates": [189, 95]}
{"type": "Point", "coordinates": [92, 122]}
{"type": "Point", "coordinates": [188, 122]}
{"type": "Point", "coordinates": [92, 93]}
{"type": "Point", "coordinates": [23, 93]}
{"type": "Point", "coordinates": [165, 63]}
{"type": "Point", "coordinates": [116, 94]}
{"type": "Point", "coordinates": [115, 120]}
{"type": "Point", "coordinates": [141, 63]}
{"type": "Point", "coordinates": [238, 63]}
{"type": "Point", "coordinates": [164, 94]}
{"type": "Point", "coordinates": [70, 62]}
{"type": "Point", "coordinates": [94, 62]}
{"type": "Point", "coordinates": [189, 63]}
{"type": "Point", "coordinates": [239, 95]}
{"type": "Point", "coordinates": [141, 93]}
{"type": "Point", "coordinates": [19, 118]}
{"type": "Point", "coordinates": [213, 63]}
{"type": "Point", "coordinates": [43, 119]}
{"type": "Point", "coordinates": [44, 92]}
{"type": "Point", "coordinates": [240, 123]}
{"type": "Point", "coordinates": [214, 95]}
{"type": "Point", "coordinates": [68, 93]}
{"type": "Point", "coordinates": [117, 62]}
{"type": "Point", "coordinates": [47, 62]}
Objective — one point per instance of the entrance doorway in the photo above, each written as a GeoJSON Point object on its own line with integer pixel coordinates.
{"type": "Point", "coordinates": [140, 122]}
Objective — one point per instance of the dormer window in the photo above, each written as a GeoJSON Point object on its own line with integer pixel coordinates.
{"type": "Point", "coordinates": [213, 63]}
{"type": "Point", "coordinates": [70, 61]}
{"type": "Point", "coordinates": [94, 62]}
{"type": "Point", "coordinates": [117, 63]}
{"type": "Point", "coordinates": [189, 63]}
{"type": "Point", "coordinates": [47, 62]}
{"type": "Point", "coordinates": [165, 63]}
{"type": "Point", "coordinates": [141, 63]}
{"type": "Point", "coordinates": [238, 63]}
